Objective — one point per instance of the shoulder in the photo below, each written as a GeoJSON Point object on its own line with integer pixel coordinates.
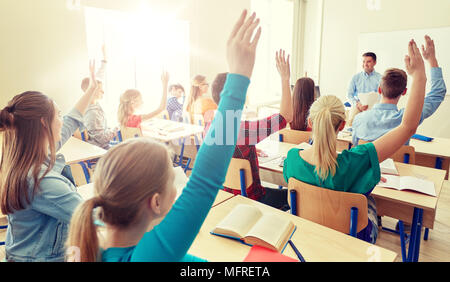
{"type": "Point", "coordinates": [356, 154]}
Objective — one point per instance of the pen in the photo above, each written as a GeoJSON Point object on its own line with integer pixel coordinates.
{"type": "Point", "coordinates": [300, 257]}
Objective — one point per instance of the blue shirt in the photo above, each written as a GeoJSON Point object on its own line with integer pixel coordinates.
{"type": "Point", "coordinates": [39, 232]}
{"type": "Point", "coordinates": [363, 83]}
{"type": "Point", "coordinates": [170, 240]}
{"type": "Point", "coordinates": [374, 123]}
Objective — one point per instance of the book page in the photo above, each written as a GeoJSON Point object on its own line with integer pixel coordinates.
{"type": "Point", "coordinates": [388, 166]}
{"type": "Point", "coordinates": [239, 221]}
{"type": "Point", "coordinates": [272, 229]}
{"type": "Point", "coordinates": [417, 184]}
{"type": "Point", "coordinates": [392, 181]}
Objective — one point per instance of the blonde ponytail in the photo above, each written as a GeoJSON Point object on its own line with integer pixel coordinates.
{"type": "Point", "coordinates": [83, 239]}
{"type": "Point", "coordinates": [326, 115]}
{"type": "Point", "coordinates": [125, 108]}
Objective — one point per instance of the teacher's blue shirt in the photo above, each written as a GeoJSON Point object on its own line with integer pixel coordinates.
{"type": "Point", "coordinates": [363, 83]}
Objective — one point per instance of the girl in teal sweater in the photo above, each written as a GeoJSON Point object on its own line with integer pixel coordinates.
{"type": "Point", "coordinates": [134, 180]}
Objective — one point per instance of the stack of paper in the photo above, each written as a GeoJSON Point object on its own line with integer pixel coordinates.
{"type": "Point", "coordinates": [369, 99]}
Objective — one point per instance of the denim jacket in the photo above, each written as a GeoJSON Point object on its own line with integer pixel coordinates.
{"type": "Point", "coordinates": [39, 232]}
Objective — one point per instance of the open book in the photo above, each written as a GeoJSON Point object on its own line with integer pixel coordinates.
{"type": "Point", "coordinates": [252, 227]}
{"type": "Point", "coordinates": [409, 183]}
{"type": "Point", "coordinates": [388, 167]}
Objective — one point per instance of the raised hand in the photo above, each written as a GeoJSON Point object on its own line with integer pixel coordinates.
{"type": "Point", "coordinates": [241, 50]}
{"type": "Point", "coordinates": [414, 62]}
{"type": "Point", "coordinates": [283, 65]}
{"type": "Point", "coordinates": [429, 52]}
{"type": "Point", "coordinates": [165, 78]}
{"type": "Point", "coordinates": [92, 79]}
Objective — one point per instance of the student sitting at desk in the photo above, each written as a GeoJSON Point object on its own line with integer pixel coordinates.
{"type": "Point", "coordinates": [253, 132]}
{"type": "Point", "coordinates": [94, 118]}
{"type": "Point", "coordinates": [131, 101]}
{"type": "Point", "coordinates": [35, 194]}
{"type": "Point", "coordinates": [385, 116]}
{"type": "Point", "coordinates": [174, 106]}
{"type": "Point", "coordinates": [303, 97]}
{"type": "Point", "coordinates": [356, 170]}
{"type": "Point", "coordinates": [198, 103]}
{"type": "Point", "coordinates": [134, 180]}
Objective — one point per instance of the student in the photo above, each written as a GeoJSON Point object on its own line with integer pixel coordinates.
{"type": "Point", "coordinates": [356, 170]}
{"type": "Point", "coordinates": [134, 181]}
{"type": "Point", "coordinates": [37, 198]}
{"type": "Point", "coordinates": [174, 106]}
{"type": "Point", "coordinates": [364, 82]}
{"type": "Point", "coordinates": [198, 103]}
{"type": "Point", "coordinates": [385, 116]}
{"type": "Point", "coordinates": [131, 100]}
{"type": "Point", "coordinates": [253, 132]}
{"type": "Point", "coordinates": [94, 118]}
{"type": "Point", "coordinates": [302, 98]}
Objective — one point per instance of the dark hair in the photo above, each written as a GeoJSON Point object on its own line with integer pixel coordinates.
{"type": "Point", "coordinates": [393, 83]}
{"type": "Point", "coordinates": [176, 86]}
{"type": "Point", "coordinates": [303, 97]}
{"type": "Point", "coordinates": [28, 134]}
{"type": "Point", "coordinates": [217, 86]}
{"type": "Point", "coordinates": [370, 54]}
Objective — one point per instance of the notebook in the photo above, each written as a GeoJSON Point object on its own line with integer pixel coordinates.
{"type": "Point", "coordinates": [388, 167]}
{"type": "Point", "coordinates": [410, 183]}
{"type": "Point", "coordinates": [261, 254]}
{"type": "Point", "coordinates": [249, 225]}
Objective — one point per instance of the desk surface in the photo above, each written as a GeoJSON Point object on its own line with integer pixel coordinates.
{"type": "Point", "coordinates": [76, 150]}
{"type": "Point", "coordinates": [315, 242]}
{"type": "Point", "coordinates": [167, 130]}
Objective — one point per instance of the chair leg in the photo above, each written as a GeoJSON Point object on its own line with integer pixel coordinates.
{"type": "Point", "coordinates": [402, 240]}
{"type": "Point", "coordinates": [425, 235]}
{"type": "Point", "coordinates": [293, 202]}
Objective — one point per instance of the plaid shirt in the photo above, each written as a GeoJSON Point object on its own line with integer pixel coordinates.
{"type": "Point", "coordinates": [250, 134]}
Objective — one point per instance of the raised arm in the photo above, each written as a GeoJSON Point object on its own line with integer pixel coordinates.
{"type": "Point", "coordinates": [172, 238]}
{"type": "Point", "coordinates": [86, 99]}
{"type": "Point", "coordinates": [163, 104]}
{"type": "Point", "coordinates": [389, 143]}
{"type": "Point", "coordinates": [284, 70]}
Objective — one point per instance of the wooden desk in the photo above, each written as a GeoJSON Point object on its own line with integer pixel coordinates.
{"type": "Point", "coordinates": [402, 205]}
{"type": "Point", "coordinates": [87, 192]}
{"type": "Point", "coordinates": [76, 150]}
{"type": "Point", "coordinates": [166, 130]}
{"type": "Point", "coordinates": [315, 242]}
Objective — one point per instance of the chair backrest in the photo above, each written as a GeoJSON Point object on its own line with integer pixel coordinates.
{"type": "Point", "coordinates": [406, 154]}
{"type": "Point", "coordinates": [294, 136]}
{"type": "Point", "coordinates": [239, 175]}
{"type": "Point", "coordinates": [80, 174]}
{"type": "Point", "coordinates": [327, 207]}
{"type": "Point", "coordinates": [130, 132]}
{"type": "Point", "coordinates": [82, 135]}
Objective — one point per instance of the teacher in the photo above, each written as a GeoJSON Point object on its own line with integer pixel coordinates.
{"type": "Point", "coordinates": [364, 82]}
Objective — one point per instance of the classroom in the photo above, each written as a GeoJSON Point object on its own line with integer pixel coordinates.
{"type": "Point", "coordinates": [224, 131]}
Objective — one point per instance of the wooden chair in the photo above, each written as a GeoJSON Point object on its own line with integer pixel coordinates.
{"type": "Point", "coordinates": [406, 154]}
{"type": "Point", "coordinates": [3, 226]}
{"type": "Point", "coordinates": [80, 173]}
{"type": "Point", "coordinates": [341, 211]}
{"type": "Point", "coordinates": [294, 136]}
{"type": "Point", "coordinates": [239, 175]}
{"type": "Point", "coordinates": [126, 133]}
{"type": "Point", "coordinates": [82, 135]}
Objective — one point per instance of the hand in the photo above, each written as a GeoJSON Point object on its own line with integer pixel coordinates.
{"type": "Point", "coordinates": [414, 62]}
{"type": "Point", "coordinates": [429, 52]}
{"type": "Point", "coordinates": [261, 153]}
{"type": "Point", "coordinates": [104, 52]}
{"type": "Point", "coordinates": [361, 107]}
{"type": "Point", "coordinates": [283, 66]}
{"type": "Point", "coordinates": [241, 51]}
{"type": "Point", "coordinates": [382, 179]}
{"type": "Point", "coordinates": [165, 78]}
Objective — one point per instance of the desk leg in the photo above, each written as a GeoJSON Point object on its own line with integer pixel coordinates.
{"type": "Point", "coordinates": [438, 163]}
{"type": "Point", "coordinates": [418, 235]}
{"type": "Point", "coordinates": [414, 242]}
{"type": "Point", "coordinates": [402, 240]}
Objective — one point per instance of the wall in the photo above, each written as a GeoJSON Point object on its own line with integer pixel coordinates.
{"type": "Point", "coordinates": [44, 44]}
{"type": "Point", "coordinates": [344, 20]}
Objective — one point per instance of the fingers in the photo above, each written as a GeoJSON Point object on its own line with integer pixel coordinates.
{"type": "Point", "coordinates": [238, 24]}
{"type": "Point", "coordinates": [250, 30]}
{"type": "Point", "coordinates": [242, 31]}
{"type": "Point", "coordinates": [408, 63]}
{"type": "Point", "coordinates": [256, 38]}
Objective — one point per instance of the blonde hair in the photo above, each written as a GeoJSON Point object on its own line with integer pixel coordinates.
{"type": "Point", "coordinates": [124, 178]}
{"type": "Point", "coordinates": [326, 115]}
{"type": "Point", "coordinates": [125, 108]}
{"type": "Point", "coordinates": [195, 92]}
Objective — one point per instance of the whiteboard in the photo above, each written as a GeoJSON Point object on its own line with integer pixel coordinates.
{"type": "Point", "coordinates": [391, 48]}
